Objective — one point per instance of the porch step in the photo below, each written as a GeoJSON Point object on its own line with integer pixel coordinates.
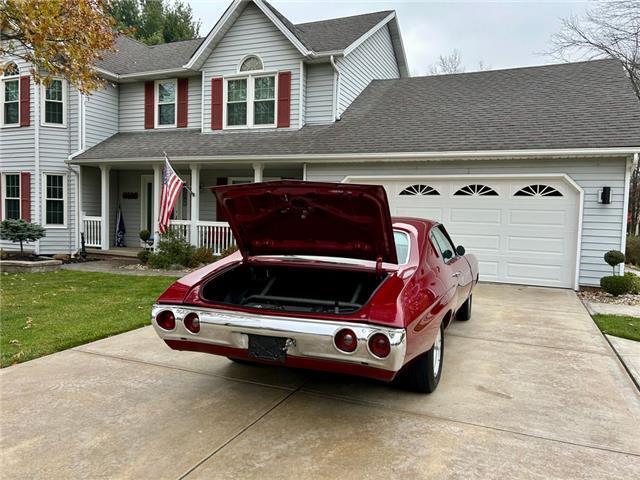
{"type": "Point", "coordinates": [115, 252]}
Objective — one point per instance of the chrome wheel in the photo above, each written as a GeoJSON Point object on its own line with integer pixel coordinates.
{"type": "Point", "coordinates": [437, 353]}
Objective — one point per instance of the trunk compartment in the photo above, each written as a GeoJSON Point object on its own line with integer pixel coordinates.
{"type": "Point", "coordinates": [293, 289]}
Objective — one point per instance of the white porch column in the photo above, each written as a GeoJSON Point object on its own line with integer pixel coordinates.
{"type": "Point", "coordinates": [157, 189]}
{"type": "Point", "coordinates": [258, 168]}
{"type": "Point", "coordinates": [105, 228]}
{"type": "Point", "coordinates": [195, 203]}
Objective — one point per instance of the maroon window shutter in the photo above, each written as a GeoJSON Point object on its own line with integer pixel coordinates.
{"type": "Point", "coordinates": [149, 100]}
{"type": "Point", "coordinates": [25, 98]}
{"type": "Point", "coordinates": [216, 104]}
{"type": "Point", "coordinates": [183, 102]}
{"type": "Point", "coordinates": [219, 214]}
{"type": "Point", "coordinates": [25, 195]}
{"type": "Point", "coordinates": [284, 99]}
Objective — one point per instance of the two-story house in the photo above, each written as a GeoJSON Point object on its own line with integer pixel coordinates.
{"type": "Point", "coordinates": [528, 168]}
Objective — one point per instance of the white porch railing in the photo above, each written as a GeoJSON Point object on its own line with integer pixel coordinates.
{"type": "Point", "coordinates": [92, 231]}
{"type": "Point", "coordinates": [216, 236]}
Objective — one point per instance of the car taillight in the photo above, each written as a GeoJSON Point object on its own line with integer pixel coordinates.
{"type": "Point", "coordinates": [166, 320]}
{"type": "Point", "coordinates": [346, 340]}
{"type": "Point", "coordinates": [192, 322]}
{"type": "Point", "coordinates": [379, 345]}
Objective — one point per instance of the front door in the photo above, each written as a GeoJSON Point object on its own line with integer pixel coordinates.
{"type": "Point", "coordinates": [146, 203]}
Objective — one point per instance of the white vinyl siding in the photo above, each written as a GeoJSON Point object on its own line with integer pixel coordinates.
{"type": "Point", "coordinates": [319, 93]}
{"type": "Point", "coordinates": [253, 34]}
{"type": "Point", "coordinates": [373, 59]}
{"type": "Point", "coordinates": [602, 227]}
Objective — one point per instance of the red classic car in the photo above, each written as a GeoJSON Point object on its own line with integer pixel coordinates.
{"type": "Point", "coordinates": [324, 279]}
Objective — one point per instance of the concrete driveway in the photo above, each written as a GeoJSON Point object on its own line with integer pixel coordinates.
{"type": "Point", "coordinates": [530, 389]}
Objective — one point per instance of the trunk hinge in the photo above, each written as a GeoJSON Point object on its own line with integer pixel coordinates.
{"type": "Point", "coordinates": [379, 266]}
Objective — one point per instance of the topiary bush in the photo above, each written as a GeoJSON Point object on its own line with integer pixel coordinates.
{"type": "Point", "coordinates": [202, 256]}
{"type": "Point", "coordinates": [145, 235]}
{"type": "Point", "coordinates": [633, 250]}
{"type": "Point", "coordinates": [618, 284]}
{"type": "Point", "coordinates": [613, 258]}
{"type": "Point", "coordinates": [173, 250]}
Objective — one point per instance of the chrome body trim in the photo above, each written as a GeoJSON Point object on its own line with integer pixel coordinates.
{"type": "Point", "coordinates": [309, 338]}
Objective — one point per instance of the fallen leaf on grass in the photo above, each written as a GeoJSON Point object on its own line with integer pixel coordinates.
{"type": "Point", "coordinates": [14, 342]}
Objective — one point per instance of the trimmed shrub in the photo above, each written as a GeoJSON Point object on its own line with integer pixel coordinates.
{"type": "Point", "coordinates": [228, 251]}
{"type": "Point", "coordinates": [173, 251]}
{"type": "Point", "coordinates": [145, 235]}
{"type": "Point", "coordinates": [143, 256]}
{"type": "Point", "coordinates": [21, 232]}
{"type": "Point", "coordinates": [202, 256]}
{"type": "Point", "coordinates": [613, 258]}
{"type": "Point", "coordinates": [633, 249]}
{"type": "Point", "coordinates": [618, 284]}
{"type": "Point", "coordinates": [634, 282]}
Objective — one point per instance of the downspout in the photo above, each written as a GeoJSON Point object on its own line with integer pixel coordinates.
{"type": "Point", "coordinates": [36, 157]}
{"type": "Point", "coordinates": [76, 172]}
{"type": "Point", "coordinates": [336, 87]}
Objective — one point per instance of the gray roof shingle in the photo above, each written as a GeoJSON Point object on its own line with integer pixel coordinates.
{"type": "Point", "coordinates": [131, 56]}
{"type": "Point", "coordinates": [332, 34]}
{"type": "Point", "coordinates": [573, 105]}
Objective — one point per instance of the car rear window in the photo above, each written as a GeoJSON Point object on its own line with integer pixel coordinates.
{"type": "Point", "coordinates": [402, 246]}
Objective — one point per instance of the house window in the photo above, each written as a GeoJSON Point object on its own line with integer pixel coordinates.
{"type": "Point", "coordinates": [54, 199]}
{"type": "Point", "coordinates": [53, 101]}
{"type": "Point", "coordinates": [251, 64]}
{"type": "Point", "coordinates": [11, 193]}
{"type": "Point", "coordinates": [251, 101]}
{"type": "Point", "coordinates": [166, 92]}
{"type": "Point", "coordinates": [10, 94]}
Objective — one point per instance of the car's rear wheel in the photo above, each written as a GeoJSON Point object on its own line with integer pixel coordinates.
{"type": "Point", "coordinates": [423, 375]}
{"type": "Point", "coordinates": [464, 312]}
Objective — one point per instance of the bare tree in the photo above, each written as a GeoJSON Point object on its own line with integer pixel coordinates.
{"type": "Point", "coordinates": [611, 29]}
{"type": "Point", "coordinates": [451, 63]}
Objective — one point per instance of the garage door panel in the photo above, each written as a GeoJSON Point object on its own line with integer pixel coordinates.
{"type": "Point", "coordinates": [518, 239]}
{"type": "Point", "coordinates": [475, 215]}
{"type": "Point", "coordinates": [536, 245]}
{"type": "Point", "coordinates": [537, 218]}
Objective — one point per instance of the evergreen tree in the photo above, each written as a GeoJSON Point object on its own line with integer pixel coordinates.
{"type": "Point", "coordinates": [156, 21]}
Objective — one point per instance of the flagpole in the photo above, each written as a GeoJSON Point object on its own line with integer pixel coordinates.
{"type": "Point", "coordinates": [184, 184]}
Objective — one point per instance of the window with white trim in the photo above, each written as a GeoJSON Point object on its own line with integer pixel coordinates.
{"type": "Point", "coordinates": [54, 103]}
{"type": "Point", "coordinates": [166, 94]}
{"type": "Point", "coordinates": [10, 95]}
{"type": "Point", "coordinates": [250, 101]}
{"type": "Point", "coordinates": [11, 196]}
{"type": "Point", "coordinates": [54, 199]}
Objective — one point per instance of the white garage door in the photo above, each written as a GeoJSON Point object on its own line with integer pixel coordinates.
{"type": "Point", "coordinates": [523, 231]}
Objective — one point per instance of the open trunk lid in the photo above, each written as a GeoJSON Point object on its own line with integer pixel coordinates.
{"type": "Point", "coordinates": [291, 217]}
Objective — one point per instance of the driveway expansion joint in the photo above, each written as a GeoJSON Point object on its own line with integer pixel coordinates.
{"type": "Point", "coordinates": [462, 422]}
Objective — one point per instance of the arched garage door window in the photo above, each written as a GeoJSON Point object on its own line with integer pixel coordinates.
{"type": "Point", "coordinates": [476, 190]}
{"type": "Point", "coordinates": [537, 191]}
{"type": "Point", "coordinates": [419, 190]}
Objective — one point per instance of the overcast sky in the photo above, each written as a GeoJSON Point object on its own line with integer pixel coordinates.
{"type": "Point", "coordinates": [500, 34]}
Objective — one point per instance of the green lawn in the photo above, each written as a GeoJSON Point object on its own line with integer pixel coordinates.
{"type": "Point", "coordinates": [618, 326]}
{"type": "Point", "coordinates": [43, 313]}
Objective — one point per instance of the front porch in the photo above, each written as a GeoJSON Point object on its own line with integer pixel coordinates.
{"type": "Point", "coordinates": [135, 190]}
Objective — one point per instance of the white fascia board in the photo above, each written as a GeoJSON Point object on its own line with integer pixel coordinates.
{"type": "Point", "coordinates": [386, 157]}
{"type": "Point", "coordinates": [368, 34]}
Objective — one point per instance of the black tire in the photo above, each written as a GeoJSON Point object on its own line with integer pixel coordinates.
{"type": "Point", "coordinates": [464, 312]}
{"type": "Point", "coordinates": [419, 376]}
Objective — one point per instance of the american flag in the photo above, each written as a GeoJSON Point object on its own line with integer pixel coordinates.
{"type": "Point", "coordinates": [171, 188]}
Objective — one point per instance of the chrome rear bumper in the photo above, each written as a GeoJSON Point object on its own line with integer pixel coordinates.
{"type": "Point", "coordinates": [312, 339]}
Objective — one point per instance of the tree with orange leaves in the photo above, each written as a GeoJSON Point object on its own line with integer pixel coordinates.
{"type": "Point", "coordinates": [58, 37]}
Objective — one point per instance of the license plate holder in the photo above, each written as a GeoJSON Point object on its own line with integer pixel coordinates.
{"type": "Point", "coordinates": [270, 349]}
